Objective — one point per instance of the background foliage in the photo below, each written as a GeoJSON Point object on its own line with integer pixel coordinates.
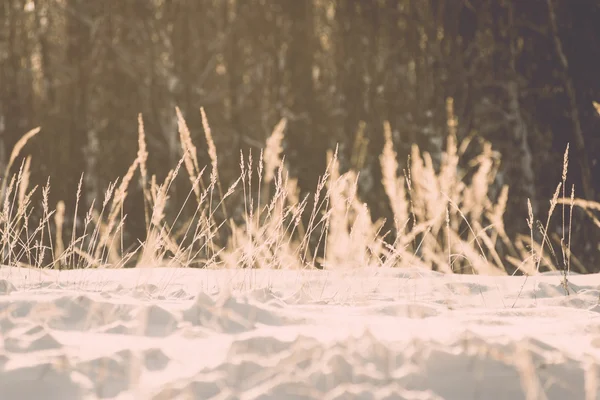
{"type": "Point", "coordinates": [522, 75]}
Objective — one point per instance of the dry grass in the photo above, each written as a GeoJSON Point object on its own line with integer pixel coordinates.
{"type": "Point", "coordinates": [444, 217]}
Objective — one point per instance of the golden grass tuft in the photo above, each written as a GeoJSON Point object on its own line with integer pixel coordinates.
{"type": "Point", "coordinates": [190, 157]}
{"type": "Point", "coordinates": [15, 153]}
{"type": "Point", "coordinates": [59, 219]}
{"type": "Point", "coordinates": [273, 149]}
{"type": "Point", "coordinates": [393, 186]}
{"type": "Point", "coordinates": [442, 220]}
{"type": "Point", "coordinates": [212, 150]}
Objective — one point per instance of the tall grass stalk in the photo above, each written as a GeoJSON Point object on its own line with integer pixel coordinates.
{"type": "Point", "coordinates": [445, 217]}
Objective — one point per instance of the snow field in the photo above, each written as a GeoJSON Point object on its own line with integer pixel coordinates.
{"type": "Point", "coordinates": [174, 333]}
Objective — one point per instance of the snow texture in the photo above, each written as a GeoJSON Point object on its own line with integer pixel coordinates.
{"type": "Point", "coordinates": [164, 333]}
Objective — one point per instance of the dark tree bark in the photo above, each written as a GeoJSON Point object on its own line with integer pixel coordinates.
{"type": "Point", "coordinates": [305, 148]}
{"type": "Point", "coordinates": [578, 136]}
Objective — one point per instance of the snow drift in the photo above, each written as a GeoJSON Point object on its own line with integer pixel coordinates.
{"type": "Point", "coordinates": [174, 333]}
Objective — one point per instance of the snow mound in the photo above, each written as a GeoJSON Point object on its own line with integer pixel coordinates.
{"type": "Point", "coordinates": [165, 333]}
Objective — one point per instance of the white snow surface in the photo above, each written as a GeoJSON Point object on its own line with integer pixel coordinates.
{"type": "Point", "coordinates": [174, 333]}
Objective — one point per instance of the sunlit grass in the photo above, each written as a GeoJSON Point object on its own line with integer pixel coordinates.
{"type": "Point", "coordinates": [444, 218]}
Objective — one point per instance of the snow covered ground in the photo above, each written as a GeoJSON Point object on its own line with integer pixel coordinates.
{"type": "Point", "coordinates": [161, 333]}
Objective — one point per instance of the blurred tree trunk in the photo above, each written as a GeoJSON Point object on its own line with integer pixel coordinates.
{"type": "Point", "coordinates": [519, 159]}
{"type": "Point", "coordinates": [43, 13]}
{"type": "Point", "coordinates": [351, 77]}
{"type": "Point", "coordinates": [305, 149]}
{"type": "Point", "coordinates": [74, 140]}
{"type": "Point", "coordinates": [578, 136]}
{"type": "Point", "coordinates": [5, 81]}
{"type": "Point", "coordinates": [234, 72]}
{"type": "Point", "coordinates": [14, 96]}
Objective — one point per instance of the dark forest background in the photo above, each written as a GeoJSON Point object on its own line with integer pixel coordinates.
{"type": "Point", "coordinates": [523, 75]}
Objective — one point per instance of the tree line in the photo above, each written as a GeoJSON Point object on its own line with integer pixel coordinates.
{"type": "Point", "coordinates": [521, 75]}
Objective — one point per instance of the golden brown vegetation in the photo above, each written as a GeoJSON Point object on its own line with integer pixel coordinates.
{"type": "Point", "coordinates": [444, 218]}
